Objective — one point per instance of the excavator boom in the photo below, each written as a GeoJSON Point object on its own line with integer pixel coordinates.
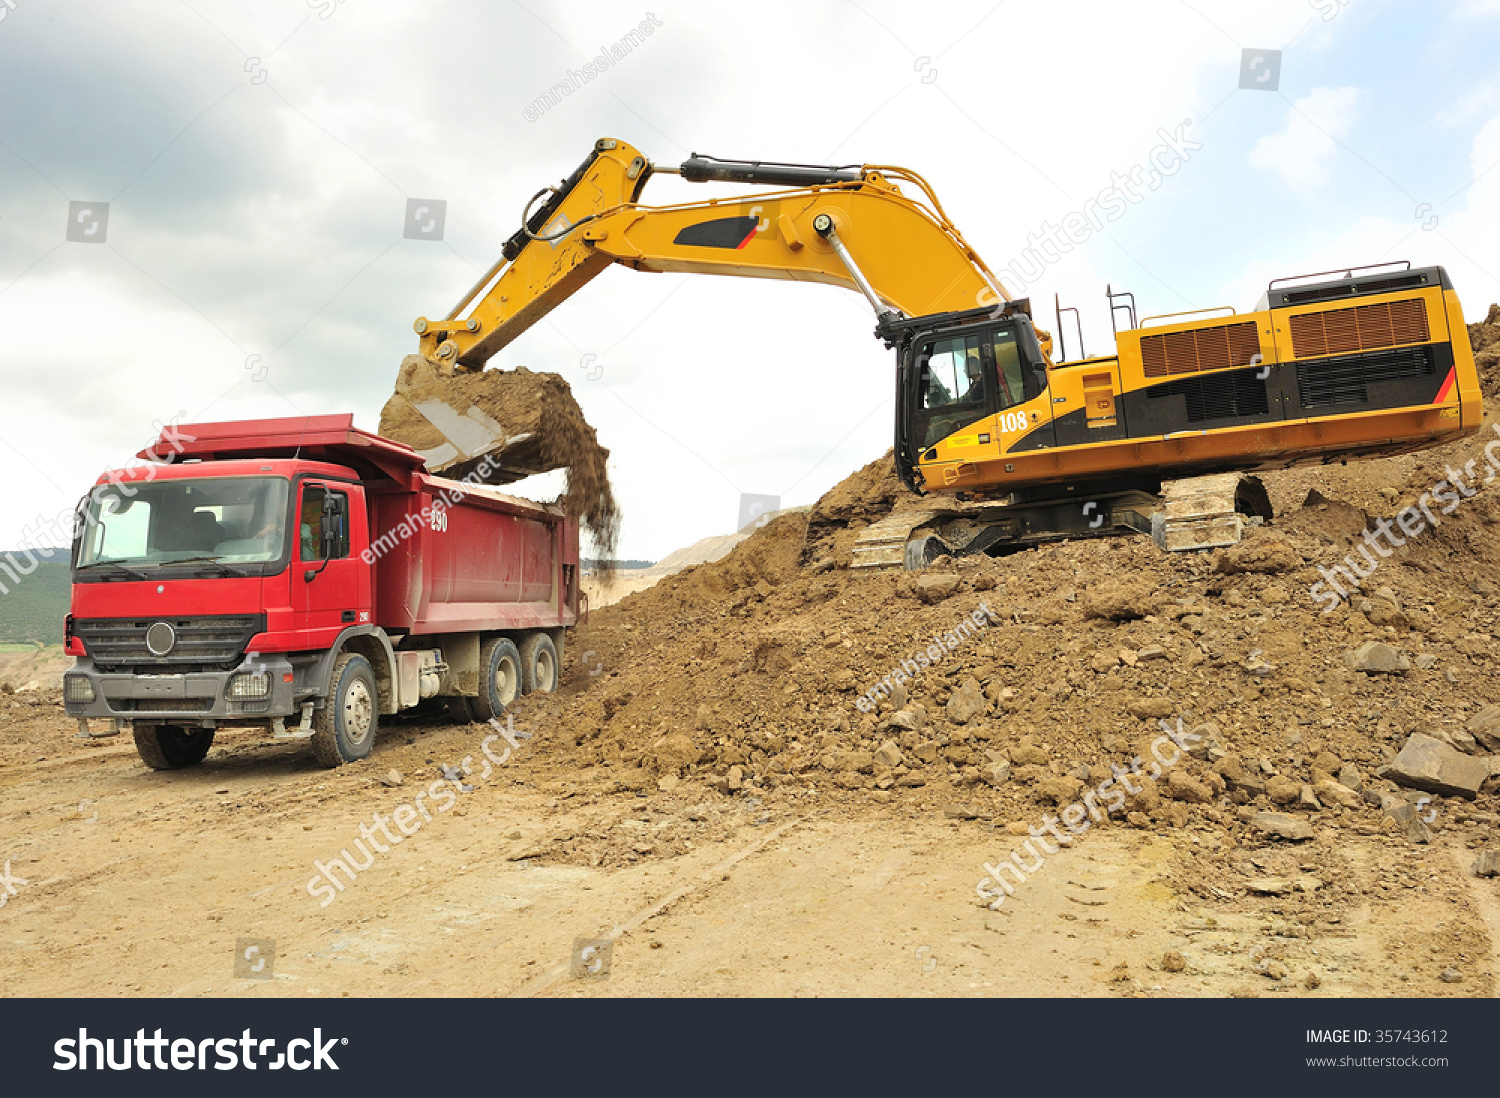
{"type": "Point", "coordinates": [796, 232]}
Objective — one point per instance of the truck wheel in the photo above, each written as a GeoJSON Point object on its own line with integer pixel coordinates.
{"type": "Point", "coordinates": [499, 678]}
{"type": "Point", "coordinates": [538, 664]}
{"type": "Point", "coordinates": [344, 727]}
{"type": "Point", "coordinates": [168, 747]}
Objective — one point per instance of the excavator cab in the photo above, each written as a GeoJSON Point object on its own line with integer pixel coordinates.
{"type": "Point", "coordinates": [956, 371]}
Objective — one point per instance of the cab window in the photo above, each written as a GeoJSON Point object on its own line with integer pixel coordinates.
{"type": "Point", "coordinates": [952, 373]}
{"type": "Point", "coordinates": [1010, 377]}
{"type": "Point", "coordinates": [315, 522]}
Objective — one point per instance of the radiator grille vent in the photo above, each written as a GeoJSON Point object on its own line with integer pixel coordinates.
{"type": "Point", "coordinates": [1346, 380]}
{"type": "Point", "coordinates": [1223, 396]}
{"type": "Point", "coordinates": [1359, 328]}
{"type": "Point", "coordinates": [1200, 349]}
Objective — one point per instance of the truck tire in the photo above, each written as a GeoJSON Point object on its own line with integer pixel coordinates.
{"type": "Point", "coordinates": [539, 664]}
{"type": "Point", "coordinates": [169, 747]}
{"type": "Point", "coordinates": [499, 678]}
{"type": "Point", "coordinates": [344, 726]}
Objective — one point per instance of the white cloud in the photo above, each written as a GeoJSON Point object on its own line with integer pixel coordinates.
{"type": "Point", "coordinates": [1302, 153]}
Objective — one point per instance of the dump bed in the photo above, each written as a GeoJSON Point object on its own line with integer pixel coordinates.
{"type": "Point", "coordinates": [450, 557]}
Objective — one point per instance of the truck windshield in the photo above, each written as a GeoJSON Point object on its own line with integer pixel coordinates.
{"type": "Point", "coordinates": [149, 525]}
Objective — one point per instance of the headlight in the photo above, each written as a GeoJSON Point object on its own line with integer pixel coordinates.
{"type": "Point", "coordinates": [250, 686]}
{"type": "Point", "coordinates": [79, 689]}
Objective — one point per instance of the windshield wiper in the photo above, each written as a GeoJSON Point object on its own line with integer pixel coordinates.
{"type": "Point", "coordinates": [116, 564]}
{"type": "Point", "coordinates": [225, 568]}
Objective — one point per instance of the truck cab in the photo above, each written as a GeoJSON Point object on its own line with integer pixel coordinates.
{"type": "Point", "coordinates": [239, 584]}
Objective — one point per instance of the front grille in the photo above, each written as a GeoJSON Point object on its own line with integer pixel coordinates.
{"type": "Point", "coordinates": [204, 643]}
{"type": "Point", "coordinates": [1360, 328]}
{"type": "Point", "coordinates": [1200, 349]}
{"type": "Point", "coordinates": [1331, 381]}
{"type": "Point", "coordinates": [161, 705]}
{"type": "Point", "coordinates": [1218, 396]}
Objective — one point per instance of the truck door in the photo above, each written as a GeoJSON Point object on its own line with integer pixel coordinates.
{"type": "Point", "coordinates": [326, 588]}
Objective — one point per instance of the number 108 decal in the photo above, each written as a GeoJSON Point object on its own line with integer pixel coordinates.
{"type": "Point", "coordinates": [1013, 421]}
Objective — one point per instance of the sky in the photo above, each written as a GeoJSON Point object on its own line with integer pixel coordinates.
{"type": "Point", "coordinates": [257, 161]}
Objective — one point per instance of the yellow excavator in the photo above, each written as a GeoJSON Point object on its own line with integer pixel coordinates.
{"type": "Point", "coordinates": [1009, 445]}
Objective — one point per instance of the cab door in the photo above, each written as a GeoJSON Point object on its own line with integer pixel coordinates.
{"type": "Point", "coordinates": [329, 587]}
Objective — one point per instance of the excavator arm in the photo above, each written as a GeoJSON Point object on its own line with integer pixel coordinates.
{"type": "Point", "coordinates": [850, 227]}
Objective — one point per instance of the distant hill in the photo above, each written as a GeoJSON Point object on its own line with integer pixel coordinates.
{"type": "Point", "coordinates": [594, 565]}
{"type": "Point", "coordinates": [33, 607]}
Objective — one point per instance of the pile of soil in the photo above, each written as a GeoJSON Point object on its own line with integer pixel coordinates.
{"type": "Point", "coordinates": [511, 424]}
{"type": "Point", "coordinates": [743, 675]}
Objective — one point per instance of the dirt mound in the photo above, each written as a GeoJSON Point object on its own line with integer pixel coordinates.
{"type": "Point", "coordinates": [792, 676]}
{"type": "Point", "coordinates": [1485, 338]}
{"type": "Point", "coordinates": [500, 426]}
{"type": "Point", "coordinates": [865, 496]}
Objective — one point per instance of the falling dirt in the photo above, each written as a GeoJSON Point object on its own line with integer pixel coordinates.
{"type": "Point", "coordinates": [500, 426]}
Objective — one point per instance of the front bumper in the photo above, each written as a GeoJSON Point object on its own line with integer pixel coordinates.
{"type": "Point", "coordinates": [199, 697]}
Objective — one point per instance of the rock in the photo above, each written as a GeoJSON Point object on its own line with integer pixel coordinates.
{"type": "Point", "coordinates": [997, 772]}
{"type": "Point", "coordinates": [1350, 778]}
{"type": "Point", "coordinates": [1332, 792]}
{"type": "Point", "coordinates": [850, 762]}
{"type": "Point", "coordinates": [1484, 726]}
{"type": "Point", "coordinates": [934, 588]}
{"type": "Point", "coordinates": [1150, 708]}
{"type": "Point", "coordinates": [888, 756]}
{"type": "Point", "coordinates": [1123, 600]}
{"type": "Point", "coordinates": [1375, 658]}
{"type": "Point", "coordinates": [967, 702]}
{"type": "Point", "coordinates": [1283, 790]}
{"type": "Point", "coordinates": [1060, 791]}
{"type": "Point", "coordinates": [1173, 962]}
{"type": "Point", "coordinates": [668, 782]}
{"type": "Point", "coordinates": [1265, 554]}
{"type": "Point", "coordinates": [1152, 652]}
{"type": "Point", "coordinates": [1425, 662]}
{"type": "Point", "coordinates": [675, 752]}
{"type": "Point", "coordinates": [1207, 746]}
{"type": "Point", "coordinates": [392, 778]}
{"type": "Point", "coordinates": [1307, 799]}
{"type": "Point", "coordinates": [960, 811]}
{"type": "Point", "coordinates": [1270, 886]}
{"type": "Point", "coordinates": [1487, 864]}
{"type": "Point", "coordinates": [735, 779]}
{"type": "Point", "coordinates": [1313, 981]}
{"type": "Point", "coordinates": [1181, 786]}
{"type": "Point", "coordinates": [1103, 663]}
{"type": "Point", "coordinates": [1027, 753]}
{"type": "Point", "coordinates": [1282, 826]}
{"type": "Point", "coordinates": [910, 720]}
{"type": "Point", "coordinates": [1380, 612]}
{"type": "Point", "coordinates": [1428, 764]}
{"type": "Point", "coordinates": [1275, 970]}
{"type": "Point", "coordinates": [1451, 976]}
{"type": "Point", "coordinates": [1257, 666]}
{"type": "Point", "coordinates": [1417, 830]}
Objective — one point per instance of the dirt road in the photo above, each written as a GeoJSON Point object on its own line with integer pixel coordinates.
{"type": "Point", "coordinates": [132, 882]}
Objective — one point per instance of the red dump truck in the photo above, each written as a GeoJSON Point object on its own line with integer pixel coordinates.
{"type": "Point", "coordinates": [305, 577]}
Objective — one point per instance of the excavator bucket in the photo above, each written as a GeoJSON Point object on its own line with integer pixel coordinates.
{"type": "Point", "coordinates": [500, 426]}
